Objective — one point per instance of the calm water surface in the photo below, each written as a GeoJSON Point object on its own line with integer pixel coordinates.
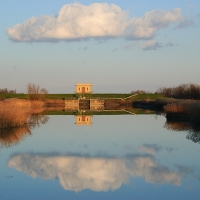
{"type": "Point", "coordinates": [117, 157]}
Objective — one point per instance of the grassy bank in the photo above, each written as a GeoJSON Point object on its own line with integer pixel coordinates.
{"type": "Point", "coordinates": [94, 95]}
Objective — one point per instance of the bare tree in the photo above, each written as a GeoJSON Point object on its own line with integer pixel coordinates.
{"type": "Point", "coordinates": [35, 92]}
{"type": "Point", "coordinates": [183, 91]}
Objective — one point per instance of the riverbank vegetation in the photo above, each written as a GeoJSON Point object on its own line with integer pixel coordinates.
{"type": "Point", "coordinates": [13, 113]}
{"type": "Point", "coordinates": [17, 112]}
{"type": "Point", "coordinates": [35, 92]}
{"type": "Point", "coordinates": [183, 91]}
{"type": "Point", "coordinates": [188, 109]}
{"type": "Point", "coordinates": [171, 100]}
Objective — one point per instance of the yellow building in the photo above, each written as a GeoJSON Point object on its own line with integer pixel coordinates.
{"type": "Point", "coordinates": [83, 120]}
{"type": "Point", "coordinates": [83, 88]}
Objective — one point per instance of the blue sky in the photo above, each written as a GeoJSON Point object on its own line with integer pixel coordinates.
{"type": "Point", "coordinates": [118, 46]}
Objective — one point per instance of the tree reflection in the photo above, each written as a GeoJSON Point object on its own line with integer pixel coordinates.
{"type": "Point", "coordinates": [36, 120]}
{"type": "Point", "coordinates": [194, 136]}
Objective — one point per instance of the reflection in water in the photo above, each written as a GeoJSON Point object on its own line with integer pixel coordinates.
{"type": "Point", "coordinates": [83, 120]}
{"type": "Point", "coordinates": [12, 136]}
{"type": "Point", "coordinates": [76, 173]}
{"type": "Point", "coordinates": [194, 136]}
{"type": "Point", "coordinates": [151, 149]}
{"type": "Point", "coordinates": [192, 129]}
{"type": "Point", "coordinates": [36, 120]}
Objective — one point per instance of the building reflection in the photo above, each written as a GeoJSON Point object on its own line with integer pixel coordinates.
{"type": "Point", "coordinates": [83, 120]}
{"type": "Point", "coordinates": [83, 111]}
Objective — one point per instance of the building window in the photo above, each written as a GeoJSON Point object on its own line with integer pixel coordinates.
{"type": "Point", "coordinates": [87, 88]}
{"type": "Point", "coordinates": [79, 89]}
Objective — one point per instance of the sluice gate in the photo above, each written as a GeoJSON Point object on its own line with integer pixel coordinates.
{"type": "Point", "coordinates": [84, 104]}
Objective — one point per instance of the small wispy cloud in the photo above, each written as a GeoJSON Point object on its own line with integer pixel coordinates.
{"type": "Point", "coordinates": [128, 47]}
{"type": "Point", "coordinates": [150, 45]}
{"type": "Point", "coordinates": [184, 24]}
{"type": "Point", "coordinates": [170, 44]}
{"type": "Point", "coordinates": [83, 48]}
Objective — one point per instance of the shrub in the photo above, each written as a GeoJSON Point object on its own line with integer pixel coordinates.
{"type": "Point", "coordinates": [35, 92]}
{"type": "Point", "coordinates": [139, 92]}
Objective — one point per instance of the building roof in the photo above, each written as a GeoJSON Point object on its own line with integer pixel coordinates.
{"type": "Point", "coordinates": [82, 84]}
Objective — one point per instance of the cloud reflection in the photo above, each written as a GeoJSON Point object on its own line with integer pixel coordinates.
{"type": "Point", "coordinates": [151, 149]}
{"type": "Point", "coordinates": [77, 173]}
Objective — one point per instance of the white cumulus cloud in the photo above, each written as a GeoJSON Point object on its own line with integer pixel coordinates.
{"type": "Point", "coordinates": [77, 173]}
{"type": "Point", "coordinates": [98, 20]}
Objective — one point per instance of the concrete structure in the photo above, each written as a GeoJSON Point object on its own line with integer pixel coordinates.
{"type": "Point", "coordinates": [83, 88]}
{"type": "Point", "coordinates": [84, 104]}
{"type": "Point", "coordinates": [83, 120]}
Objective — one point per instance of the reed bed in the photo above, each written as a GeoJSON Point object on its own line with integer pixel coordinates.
{"type": "Point", "coordinates": [14, 113]}
{"type": "Point", "coordinates": [175, 108]}
{"type": "Point", "coordinates": [36, 103]}
{"type": "Point", "coordinates": [189, 108]}
{"type": "Point", "coordinates": [13, 102]}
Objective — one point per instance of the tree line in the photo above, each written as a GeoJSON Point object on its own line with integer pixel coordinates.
{"type": "Point", "coordinates": [183, 91]}
{"type": "Point", "coordinates": [7, 91]}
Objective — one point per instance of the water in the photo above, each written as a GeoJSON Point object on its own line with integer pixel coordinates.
{"type": "Point", "coordinates": [115, 157]}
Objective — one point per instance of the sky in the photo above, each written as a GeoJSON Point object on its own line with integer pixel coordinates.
{"type": "Point", "coordinates": [118, 46]}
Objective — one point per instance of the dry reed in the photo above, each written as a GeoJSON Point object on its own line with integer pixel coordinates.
{"type": "Point", "coordinates": [37, 103]}
{"type": "Point", "coordinates": [13, 113]}
{"type": "Point", "coordinates": [175, 108]}
{"type": "Point", "coordinates": [190, 108]}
